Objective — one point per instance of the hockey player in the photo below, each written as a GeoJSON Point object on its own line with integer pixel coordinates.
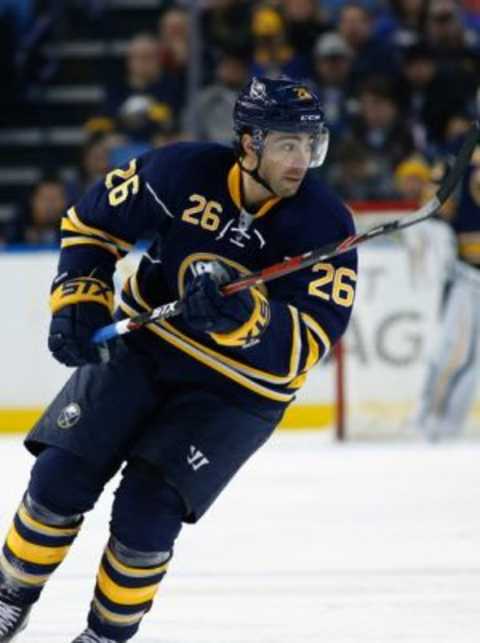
{"type": "Point", "coordinates": [449, 387]}
{"type": "Point", "coordinates": [182, 403]}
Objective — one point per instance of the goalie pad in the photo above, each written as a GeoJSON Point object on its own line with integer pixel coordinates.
{"type": "Point", "coordinates": [449, 387]}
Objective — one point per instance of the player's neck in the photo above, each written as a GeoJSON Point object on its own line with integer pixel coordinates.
{"type": "Point", "coordinates": [254, 194]}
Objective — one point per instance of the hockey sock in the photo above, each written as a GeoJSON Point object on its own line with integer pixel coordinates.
{"type": "Point", "coordinates": [126, 585]}
{"type": "Point", "coordinates": [36, 544]}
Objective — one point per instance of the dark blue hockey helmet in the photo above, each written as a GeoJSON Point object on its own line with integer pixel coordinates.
{"type": "Point", "coordinates": [283, 105]}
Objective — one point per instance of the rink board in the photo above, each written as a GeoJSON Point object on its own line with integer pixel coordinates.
{"type": "Point", "coordinates": [386, 345]}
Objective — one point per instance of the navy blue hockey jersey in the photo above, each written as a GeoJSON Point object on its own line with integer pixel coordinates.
{"type": "Point", "coordinates": [189, 196]}
{"type": "Point", "coordinates": [466, 220]}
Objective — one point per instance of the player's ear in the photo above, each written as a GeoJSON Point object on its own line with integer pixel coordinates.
{"type": "Point", "coordinates": [248, 149]}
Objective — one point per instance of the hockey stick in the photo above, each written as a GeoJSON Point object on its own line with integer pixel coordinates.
{"type": "Point", "coordinates": [309, 258]}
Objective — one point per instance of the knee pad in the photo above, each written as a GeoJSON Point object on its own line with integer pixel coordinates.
{"type": "Point", "coordinates": [148, 512]}
{"type": "Point", "coordinates": [61, 485]}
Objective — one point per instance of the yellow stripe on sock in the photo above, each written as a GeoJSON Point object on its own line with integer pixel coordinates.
{"type": "Point", "coordinates": [120, 619]}
{"type": "Point", "coordinates": [38, 554]}
{"type": "Point", "coordinates": [21, 577]}
{"type": "Point", "coordinates": [124, 595]}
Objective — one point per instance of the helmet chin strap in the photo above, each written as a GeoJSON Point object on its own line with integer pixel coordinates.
{"type": "Point", "coordinates": [256, 176]}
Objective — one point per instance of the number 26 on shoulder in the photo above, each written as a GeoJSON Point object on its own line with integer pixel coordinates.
{"type": "Point", "coordinates": [333, 284]}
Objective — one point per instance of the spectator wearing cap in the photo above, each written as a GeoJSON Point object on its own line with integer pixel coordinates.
{"type": "Point", "coordinates": [427, 103]}
{"type": "Point", "coordinates": [370, 54]}
{"type": "Point", "coordinates": [380, 128]}
{"type": "Point", "coordinates": [273, 55]}
{"type": "Point", "coordinates": [412, 177]}
{"type": "Point", "coordinates": [210, 118]}
{"type": "Point", "coordinates": [332, 68]}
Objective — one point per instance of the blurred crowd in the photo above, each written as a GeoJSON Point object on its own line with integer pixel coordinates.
{"type": "Point", "coordinates": [398, 80]}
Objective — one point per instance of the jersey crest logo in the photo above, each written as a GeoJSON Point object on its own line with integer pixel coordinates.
{"type": "Point", "coordinates": [69, 416]}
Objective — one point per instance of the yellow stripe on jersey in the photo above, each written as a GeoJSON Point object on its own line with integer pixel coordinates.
{"type": "Point", "coordinates": [72, 214]}
{"type": "Point", "coordinates": [136, 294]}
{"type": "Point", "coordinates": [69, 242]}
{"type": "Point", "coordinates": [318, 331]}
{"type": "Point", "coordinates": [250, 371]}
{"type": "Point", "coordinates": [40, 528]}
{"type": "Point", "coordinates": [233, 181]}
{"type": "Point", "coordinates": [202, 356]}
{"type": "Point", "coordinates": [133, 572]}
{"type": "Point", "coordinates": [298, 382]}
{"type": "Point", "coordinates": [313, 351]}
{"type": "Point", "coordinates": [124, 595]}
{"type": "Point", "coordinates": [38, 554]}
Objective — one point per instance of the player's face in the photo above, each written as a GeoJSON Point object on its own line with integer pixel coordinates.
{"type": "Point", "coordinates": [285, 161]}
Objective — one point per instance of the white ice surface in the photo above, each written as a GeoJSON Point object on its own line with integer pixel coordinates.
{"type": "Point", "coordinates": [312, 543]}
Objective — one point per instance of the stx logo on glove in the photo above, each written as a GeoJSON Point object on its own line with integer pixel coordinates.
{"type": "Point", "coordinates": [84, 287]}
{"type": "Point", "coordinates": [79, 290]}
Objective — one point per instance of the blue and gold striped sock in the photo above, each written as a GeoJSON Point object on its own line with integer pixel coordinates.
{"type": "Point", "coordinates": [36, 544]}
{"type": "Point", "coordinates": [126, 585]}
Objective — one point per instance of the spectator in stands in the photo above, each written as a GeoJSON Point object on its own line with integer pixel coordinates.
{"type": "Point", "coordinates": [210, 118]}
{"type": "Point", "coordinates": [226, 25]}
{"type": "Point", "coordinates": [427, 103]}
{"type": "Point", "coordinates": [305, 21]}
{"type": "Point", "coordinates": [273, 55]}
{"type": "Point", "coordinates": [412, 177]}
{"type": "Point", "coordinates": [456, 47]}
{"type": "Point", "coordinates": [332, 67]}
{"type": "Point", "coordinates": [332, 8]}
{"type": "Point", "coordinates": [353, 174]}
{"type": "Point", "coordinates": [143, 124]}
{"type": "Point", "coordinates": [173, 35]}
{"type": "Point", "coordinates": [381, 129]}
{"type": "Point", "coordinates": [94, 164]}
{"type": "Point", "coordinates": [39, 225]}
{"type": "Point", "coordinates": [403, 23]}
{"type": "Point", "coordinates": [370, 54]}
{"type": "Point", "coordinates": [147, 84]}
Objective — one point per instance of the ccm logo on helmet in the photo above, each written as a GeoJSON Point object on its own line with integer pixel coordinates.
{"type": "Point", "coordinates": [310, 117]}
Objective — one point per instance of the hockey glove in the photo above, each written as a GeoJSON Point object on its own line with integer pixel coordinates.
{"type": "Point", "coordinates": [80, 306]}
{"type": "Point", "coordinates": [237, 320]}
